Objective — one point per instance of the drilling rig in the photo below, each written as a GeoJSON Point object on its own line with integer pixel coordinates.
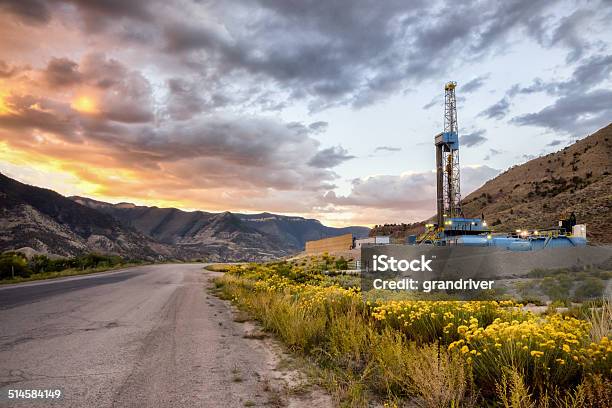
{"type": "Point", "coordinates": [451, 227]}
{"type": "Point", "coordinates": [447, 159]}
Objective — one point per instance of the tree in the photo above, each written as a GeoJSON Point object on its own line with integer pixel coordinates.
{"type": "Point", "coordinates": [13, 264]}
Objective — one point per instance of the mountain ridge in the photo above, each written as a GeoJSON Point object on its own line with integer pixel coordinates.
{"type": "Point", "coordinates": [45, 221]}
{"type": "Point", "coordinates": [174, 226]}
{"type": "Point", "coordinates": [39, 220]}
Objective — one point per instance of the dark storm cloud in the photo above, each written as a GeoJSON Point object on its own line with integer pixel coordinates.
{"type": "Point", "coordinates": [62, 72]}
{"type": "Point", "coordinates": [28, 113]}
{"type": "Point", "coordinates": [95, 13]}
{"type": "Point", "coordinates": [589, 73]}
{"type": "Point", "coordinates": [218, 152]}
{"type": "Point", "coordinates": [330, 157]}
{"type": "Point", "coordinates": [473, 139]}
{"type": "Point", "coordinates": [94, 69]}
{"type": "Point", "coordinates": [572, 114]}
{"type": "Point", "coordinates": [498, 110]}
{"type": "Point", "coordinates": [99, 16]}
{"type": "Point", "coordinates": [348, 53]}
{"type": "Point", "coordinates": [555, 142]}
{"type": "Point", "coordinates": [538, 85]}
{"type": "Point", "coordinates": [8, 70]}
{"type": "Point", "coordinates": [579, 108]}
{"type": "Point", "coordinates": [208, 151]}
{"type": "Point", "coordinates": [102, 71]}
{"type": "Point", "coordinates": [328, 53]}
{"type": "Point", "coordinates": [184, 100]}
{"type": "Point", "coordinates": [475, 84]}
{"type": "Point", "coordinates": [571, 33]}
{"type": "Point", "coordinates": [116, 8]}
{"type": "Point", "coordinates": [126, 94]}
{"type": "Point", "coordinates": [188, 37]}
{"type": "Point", "coordinates": [30, 11]}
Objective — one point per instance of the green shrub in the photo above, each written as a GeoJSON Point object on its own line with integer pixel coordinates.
{"type": "Point", "coordinates": [557, 287]}
{"type": "Point", "coordinates": [13, 264]}
{"type": "Point", "coordinates": [590, 288]}
{"type": "Point", "coordinates": [341, 264]}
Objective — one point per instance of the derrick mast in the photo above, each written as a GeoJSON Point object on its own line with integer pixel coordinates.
{"type": "Point", "coordinates": [447, 160]}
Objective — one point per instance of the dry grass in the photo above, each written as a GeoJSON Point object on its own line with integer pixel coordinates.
{"type": "Point", "coordinates": [357, 359]}
{"type": "Point", "coordinates": [361, 360]}
{"type": "Point", "coordinates": [512, 391]}
{"type": "Point", "coordinates": [594, 392]}
{"type": "Point", "coordinates": [601, 320]}
{"type": "Point", "coordinates": [217, 267]}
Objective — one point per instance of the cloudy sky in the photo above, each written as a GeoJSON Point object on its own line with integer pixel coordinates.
{"type": "Point", "coordinates": [325, 109]}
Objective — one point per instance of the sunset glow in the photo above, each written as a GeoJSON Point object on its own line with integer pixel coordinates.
{"type": "Point", "coordinates": [224, 113]}
{"type": "Point", "coordinates": [84, 104]}
{"type": "Point", "coordinates": [4, 109]}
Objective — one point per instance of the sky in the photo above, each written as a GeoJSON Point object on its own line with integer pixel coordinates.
{"type": "Point", "coordinates": [323, 109]}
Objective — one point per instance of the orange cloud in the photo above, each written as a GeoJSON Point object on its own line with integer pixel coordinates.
{"type": "Point", "coordinates": [90, 129]}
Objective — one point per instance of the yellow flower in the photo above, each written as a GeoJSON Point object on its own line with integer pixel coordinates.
{"type": "Point", "coordinates": [537, 354]}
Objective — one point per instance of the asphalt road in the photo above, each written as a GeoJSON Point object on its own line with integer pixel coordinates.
{"type": "Point", "coordinates": [147, 336]}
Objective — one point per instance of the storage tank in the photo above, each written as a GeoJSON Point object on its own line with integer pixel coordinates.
{"type": "Point", "coordinates": [473, 240]}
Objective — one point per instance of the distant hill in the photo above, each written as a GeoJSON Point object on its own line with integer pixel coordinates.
{"type": "Point", "coordinates": [40, 220]}
{"type": "Point", "coordinates": [540, 192]}
{"type": "Point", "coordinates": [261, 235]}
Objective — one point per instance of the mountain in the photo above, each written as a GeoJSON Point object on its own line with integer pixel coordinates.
{"type": "Point", "coordinates": [540, 192]}
{"type": "Point", "coordinates": [295, 231]}
{"type": "Point", "coordinates": [38, 220]}
{"type": "Point", "coordinates": [44, 221]}
{"type": "Point", "coordinates": [262, 235]}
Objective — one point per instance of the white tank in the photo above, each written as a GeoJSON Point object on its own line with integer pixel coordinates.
{"type": "Point", "coordinates": [579, 230]}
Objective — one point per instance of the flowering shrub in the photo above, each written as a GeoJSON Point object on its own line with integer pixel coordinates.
{"type": "Point", "coordinates": [444, 321]}
{"type": "Point", "coordinates": [549, 349]}
{"type": "Point", "coordinates": [313, 313]}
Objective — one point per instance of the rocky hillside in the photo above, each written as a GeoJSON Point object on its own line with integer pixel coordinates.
{"type": "Point", "coordinates": [40, 220]}
{"type": "Point", "coordinates": [262, 235]}
{"type": "Point", "coordinates": [539, 193]}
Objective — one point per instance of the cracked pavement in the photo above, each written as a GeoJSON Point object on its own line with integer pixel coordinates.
{"type": "Point", "coordinates": [141, 337]}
